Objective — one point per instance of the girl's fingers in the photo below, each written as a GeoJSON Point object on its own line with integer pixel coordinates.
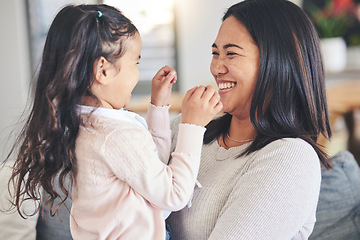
{"type": "Point", "coordinates": [215, 99]}
{"type": "Point", "coordinates": [165, 73]}
{"type": "Point", "coordinates": [218, 107]}
{"type": "Point", "coordinates": [189, 93]}
{"type": "Point", "coordinates": [171, 77]}
{"type": "Point", "coordinates": [199, 91]}
{"type": "Point", "coordinates": [174, 79]}
{"type": "Point", "coordinates": [208, 93]}
{"type": "Point", "coordinates": [202, 93]}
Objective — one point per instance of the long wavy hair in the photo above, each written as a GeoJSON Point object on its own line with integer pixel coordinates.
{"type": "Point", "coordinates": [289, 98]}
{"type": "Point", "coordinates": [77, 37]}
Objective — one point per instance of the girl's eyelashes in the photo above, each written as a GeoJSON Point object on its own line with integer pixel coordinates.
{"type": "Point", "coordinates": [215, 53]}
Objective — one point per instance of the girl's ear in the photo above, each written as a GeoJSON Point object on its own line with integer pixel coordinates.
{"type": "Point", "coordinates": [101, 70]}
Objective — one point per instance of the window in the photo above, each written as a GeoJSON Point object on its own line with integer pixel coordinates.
{"type": "Point", "coordinates": [155, 21]}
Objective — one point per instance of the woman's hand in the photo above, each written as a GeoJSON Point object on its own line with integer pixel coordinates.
{"type": "Point", "coordinates": [200, 105]}
{"type": "Point", "coordinates": [161, 86]}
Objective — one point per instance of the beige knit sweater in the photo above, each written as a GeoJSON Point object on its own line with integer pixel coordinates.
{"type": "Point", "coordinates": [271, 194]}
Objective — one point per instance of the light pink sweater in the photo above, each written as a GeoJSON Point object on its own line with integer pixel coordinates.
{"type": "Point", "coordinates": [121, 185]}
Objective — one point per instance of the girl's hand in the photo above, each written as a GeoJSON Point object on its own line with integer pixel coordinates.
{"type": "Point", "coordinates": [161, 86]}
{"type": "Point", "coordinates": [200, 105]}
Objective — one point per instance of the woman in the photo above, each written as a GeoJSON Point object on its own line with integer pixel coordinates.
{"type": "Point", "coordinates": [260, 170]}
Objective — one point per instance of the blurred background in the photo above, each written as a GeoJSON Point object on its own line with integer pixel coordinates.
{"type": "Point", "coordinates": [178, 33]}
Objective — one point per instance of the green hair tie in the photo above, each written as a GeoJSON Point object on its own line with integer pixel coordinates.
{"type": "Point", "coordinates": [100, 14]}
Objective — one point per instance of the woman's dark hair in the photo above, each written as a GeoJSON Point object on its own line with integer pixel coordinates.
{"type": "Point", "coordinates": [77, 37]}
{"type": "Point", "coordinates": [289, 98]}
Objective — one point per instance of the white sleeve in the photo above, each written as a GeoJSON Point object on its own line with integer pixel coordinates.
{"type": "Point", "coordinates": [159, 126]}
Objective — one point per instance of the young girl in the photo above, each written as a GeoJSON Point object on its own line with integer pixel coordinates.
{"type": "Point", "coordinates": [78, 128]}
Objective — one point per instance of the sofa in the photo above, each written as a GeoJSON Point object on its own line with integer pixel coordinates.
{"type": "Point", "coordinates": [338, 211]}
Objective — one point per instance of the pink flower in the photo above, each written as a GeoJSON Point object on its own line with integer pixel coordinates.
{"type": "Point", "coordinates": [342, 6]}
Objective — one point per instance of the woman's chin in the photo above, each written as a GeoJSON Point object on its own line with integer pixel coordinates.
{"type": "Point", "coordinates": [226, 109]}
{"type": "Point", "coordinates": [226, 103]}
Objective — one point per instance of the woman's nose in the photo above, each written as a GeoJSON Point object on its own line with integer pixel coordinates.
{"type": "Point", "coordinates": [218, 67]}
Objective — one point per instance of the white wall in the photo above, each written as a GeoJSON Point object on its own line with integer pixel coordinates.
{"type": "Point", "coordinates": [14, 68]}
{"type": "Point", "coordinates": [197, 25]}
{"type": "Point", "coordinates": [15, 75]}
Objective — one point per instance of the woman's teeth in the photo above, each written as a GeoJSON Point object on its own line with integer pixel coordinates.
{"type": "Point", "coordinates": [226, 85]}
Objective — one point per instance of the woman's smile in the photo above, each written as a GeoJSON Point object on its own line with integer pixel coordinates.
{"type": "Point", "coordinates": [225, 86]}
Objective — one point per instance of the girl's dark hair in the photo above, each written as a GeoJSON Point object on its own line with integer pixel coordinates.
{"type": "Point", "coordinates": [77, 37]}
{"type": "Point", "coordinates": [289, 99]}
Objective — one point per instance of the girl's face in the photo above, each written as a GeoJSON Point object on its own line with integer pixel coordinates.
{"type": "Point", "coordinates": [235, 67]}
{"type": "Point", "coordinates": [124, 78]}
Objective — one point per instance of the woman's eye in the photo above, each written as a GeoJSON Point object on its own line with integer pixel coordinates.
{"type": "Point", "coordinates": [215, 53]}
{"type": "Point", "coordinates": [231, 53]}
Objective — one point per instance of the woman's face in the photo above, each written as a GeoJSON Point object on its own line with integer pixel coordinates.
{"type": "Point", "coordinates": [235, 67]}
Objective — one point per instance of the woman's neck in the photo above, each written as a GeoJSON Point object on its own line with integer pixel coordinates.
{"type": "Point", "coordinates": [241, 132]}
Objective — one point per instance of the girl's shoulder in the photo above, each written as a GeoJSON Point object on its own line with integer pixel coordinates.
{"type": "Point", "coordinates": [105, 126]}
{"type": "Point", "coordinates": [108, 134]}
{"type": "Point", "coordinates": [113, 116]}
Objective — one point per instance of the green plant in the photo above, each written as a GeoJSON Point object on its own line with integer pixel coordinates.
{"type": "Point", "coordinates": [354, 39]}
{"type": "Point", "coordinates": [330, 26]}
{"type": "Point", "coordinates": [329, 22]}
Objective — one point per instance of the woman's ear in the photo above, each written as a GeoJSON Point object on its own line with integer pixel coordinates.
{"type": "Point", "coordinates": [101, 70]}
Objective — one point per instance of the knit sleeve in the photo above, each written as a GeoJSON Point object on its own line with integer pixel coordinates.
{"type": "Point", "coordinates": [159, 127]}
{"type": "Point", "coordinates": [276, 196]}
{"type": "Point", "coordinates": [132, 155]}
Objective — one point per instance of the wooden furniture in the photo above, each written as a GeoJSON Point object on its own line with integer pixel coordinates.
{"type": "Point", "coordinates": [141, 105]}
{"type": "Point", "coordinates": [343, 99]}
